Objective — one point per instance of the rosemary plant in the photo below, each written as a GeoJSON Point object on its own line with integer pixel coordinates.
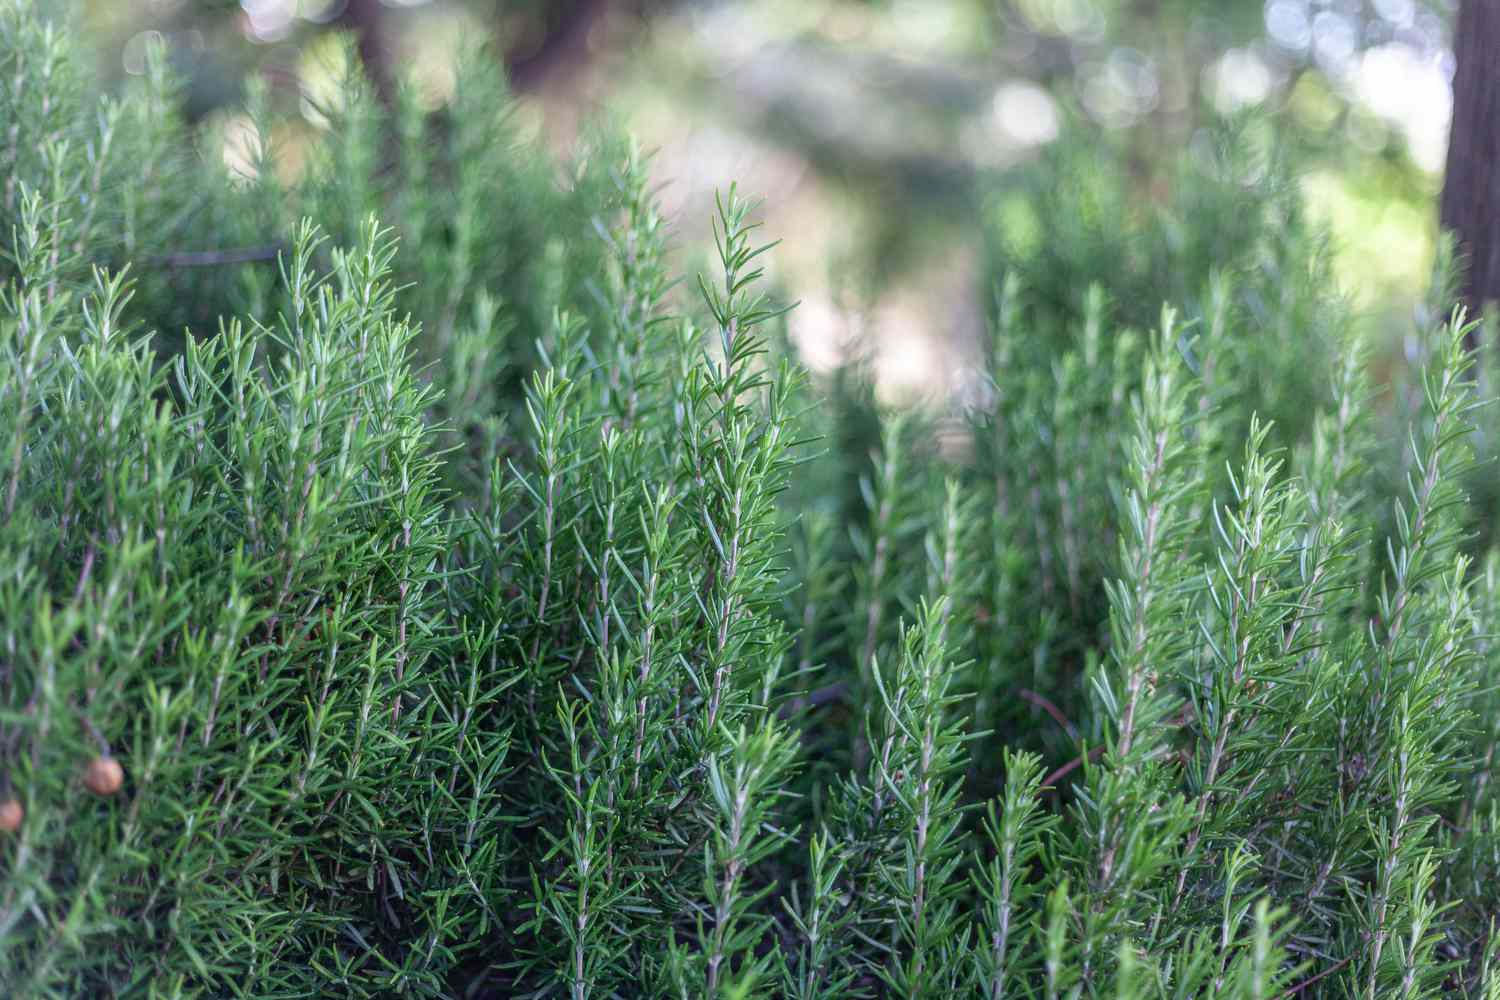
{"type": "Point", "coordinates": [403, 593]}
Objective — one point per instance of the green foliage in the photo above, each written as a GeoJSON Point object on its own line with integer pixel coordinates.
{"type": "Point", "coordinates": [439, 665]}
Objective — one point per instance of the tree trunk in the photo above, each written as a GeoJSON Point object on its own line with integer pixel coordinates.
{"type": "Point", "coordinates": [363, 18]}
{"type": "Point", "coordinates": [1471, 187]}
{"type": "Point", "coordinates": [565, 46]}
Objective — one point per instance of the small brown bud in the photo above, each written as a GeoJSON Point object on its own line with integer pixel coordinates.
{"type": "Point", "coordinates": [104, 776]}
{"type": "Point", "coordinates": [11, 815]}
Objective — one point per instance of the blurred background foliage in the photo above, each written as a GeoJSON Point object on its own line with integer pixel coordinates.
{"type": "Point", "coordinates": [914, 150]}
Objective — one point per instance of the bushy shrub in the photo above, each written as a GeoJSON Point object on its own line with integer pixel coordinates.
{"type": "Point", "coordinates": [349, 647]}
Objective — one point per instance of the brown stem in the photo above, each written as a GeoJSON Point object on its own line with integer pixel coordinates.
{"type": "Point", "coordinates": [1046, 705]}
{"type": "Point", "coordinates": [1052, 779]}
{"type": "Point", "coordinates": [1312, 979]}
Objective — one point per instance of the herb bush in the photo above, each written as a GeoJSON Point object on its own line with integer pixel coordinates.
{"type": "Point", "coordinates": [425, 610]}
